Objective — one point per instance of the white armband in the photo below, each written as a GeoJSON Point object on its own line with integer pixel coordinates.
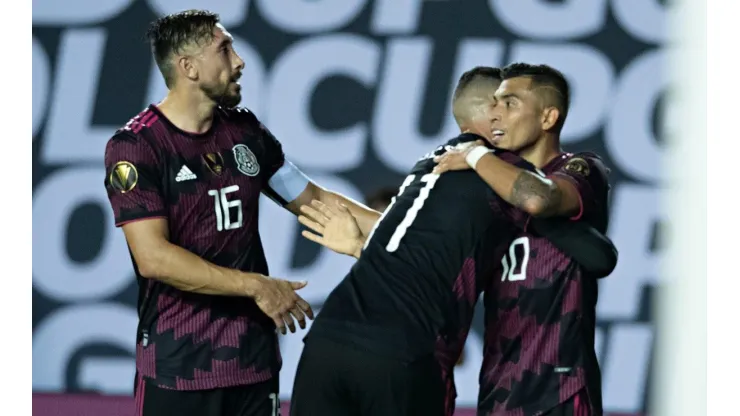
{"type": "Point", "coordinates": [288, 182]}
{"type": "Point", "coordinates": [474, 155]}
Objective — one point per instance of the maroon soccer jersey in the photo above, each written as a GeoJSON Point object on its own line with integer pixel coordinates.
{"type": "Point", "coordinates": [207, 187]}
{"type": "Point", "coordinates": [540, 312]}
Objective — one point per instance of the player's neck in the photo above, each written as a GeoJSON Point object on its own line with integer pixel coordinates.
{"type": "Point", "coordinates": [190, 111]}
{"type": "Point", "coordinates": [542, 151]}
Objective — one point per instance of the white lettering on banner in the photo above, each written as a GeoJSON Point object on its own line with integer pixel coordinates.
{"type": "Point", "coordinates": [590, 74]}
{"type": "Point", "coordinates": [54, 273]}
{"type": "Point", "coordinates": [643, 19]}
{"type": "Point", "coordinates": [622, 105]}
{"type": "Point", "coordinates": [400, 99]}
{"type": "Point", "coordinates": [395, 16]}
{"type": "Point", "coordinates": [635, 211]}
{"type": "Point", "coordinates": [625, 371]}
{"type": "Point", "coordinates": [232, 12]}
{"type": "Point", "coordinates": [629, 133]}
{"type": "Point", "coordinates": [543, 19]}
{"type": "Point", "coordinates": [40, 89]}
{"type": "Point", "coordinates": [70, 137]}
{"type": "Point", "coordinates": [302, 16]}
{"type": "Point", "coordinates": [76, 12]}
{"type": "Point", "coordinates": [294, 78]}
{"type": "Point", "coordinates": [59, 336]}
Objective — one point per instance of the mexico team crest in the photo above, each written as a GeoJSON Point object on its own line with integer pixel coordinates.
{"type": "Point", "coordinates": [246, 162]}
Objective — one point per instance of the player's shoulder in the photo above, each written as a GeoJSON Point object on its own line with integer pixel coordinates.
{"type": "Point", "coordinates": [140, 123]}
{"type": "Point", "coordinates": [585, 164]}
{"type": "Point", "coordinates": [238, 115]}
{"type": "Point", "coordinates": [132, 140]}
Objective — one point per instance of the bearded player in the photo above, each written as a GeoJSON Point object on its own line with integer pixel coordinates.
{"type": "Point", "coordinates": [184, 179]}
{"type": "Point", "coordinates": [539, 356]}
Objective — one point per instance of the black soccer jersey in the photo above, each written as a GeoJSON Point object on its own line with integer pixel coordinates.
{"type": "Point", "coordinates": [400, 295]}
{"type": "Point", "coordinates": [207, 186]}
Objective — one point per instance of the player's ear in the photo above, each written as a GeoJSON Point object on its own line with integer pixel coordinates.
{"type": "Point", "coordinates": [550, 117]}
{"type": "Point", "coordinates": [187, 67]}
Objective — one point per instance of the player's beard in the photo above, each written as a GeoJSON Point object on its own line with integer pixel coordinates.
{"type": "Point", "coordinates": [223, 95]}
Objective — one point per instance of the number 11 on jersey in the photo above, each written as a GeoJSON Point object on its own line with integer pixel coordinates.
{"type": "Point", "coordinates": [429, 180]}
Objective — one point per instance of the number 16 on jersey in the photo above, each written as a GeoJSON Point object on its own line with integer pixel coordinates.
{"type": "Point", "coordinates": [429, 180]}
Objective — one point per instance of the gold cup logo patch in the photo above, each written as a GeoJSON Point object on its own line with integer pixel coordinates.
{"type": "Point", "coordinates": [124, 177]}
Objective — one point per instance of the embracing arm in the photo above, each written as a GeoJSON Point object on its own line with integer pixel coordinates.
{"type": "Point", "coordinates": [538, 196]}
{"type": "Point", "coordinates": [592, 250]}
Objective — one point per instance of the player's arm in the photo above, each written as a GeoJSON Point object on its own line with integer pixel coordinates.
{"type": "Point", "coordinates": [133, 185]}
{"type": "Point", "coordinates": [157, 258]}
{"type": "Point", "coordinates": [365, 217]}
{"type": "Point", "coordinates": [591, 249]}
{"type": "Point", "coordinates": [538, 196]}
{"type": "Point", "coordinates": [292, 189]}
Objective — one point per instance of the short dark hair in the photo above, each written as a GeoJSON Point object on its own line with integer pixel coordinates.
{"type": "Point", "coordinates": [485, 72]}
{"type": "Point", "coordinates": [172, 33]}
{"type": "Point", "coordinates": [469, 82]}
{"type": "Point", "coordinates": [381, 196]}
{"type": "Point", "coordinates": [558, 92]}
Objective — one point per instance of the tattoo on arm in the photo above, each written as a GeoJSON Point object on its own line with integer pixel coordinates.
{"type": "Point", "coordinates": [531, 192]}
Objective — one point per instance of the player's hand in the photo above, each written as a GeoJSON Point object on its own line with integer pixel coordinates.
{"type": "Point", "coordinates": [335, 227]}
{"type": "Point", "coordinates": [454, 159]}
{"type": "Point", "coordinates": [278, 300]}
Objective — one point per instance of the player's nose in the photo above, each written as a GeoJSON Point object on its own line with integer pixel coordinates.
{"type": "Point", "coordinates": [239, 64]}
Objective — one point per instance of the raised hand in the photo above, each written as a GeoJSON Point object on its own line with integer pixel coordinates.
{"type": "Point", "coordinates": [278, 300]}
{"type": "Point", "coordinates": [335, 227]}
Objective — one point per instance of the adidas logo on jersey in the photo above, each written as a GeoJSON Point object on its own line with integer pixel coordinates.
{"type": "Point", "coordinates": [185, 174]}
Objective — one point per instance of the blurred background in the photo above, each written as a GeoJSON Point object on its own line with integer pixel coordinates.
{"type": "Point", "coordinates": [356, 90]}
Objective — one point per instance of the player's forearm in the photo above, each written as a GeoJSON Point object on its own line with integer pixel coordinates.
{"type": "Point", "coordinates": [365, 217]}
{"type": "Point", "coordinates": [594, 251]}
{"type": "Point", "coordinates": [186, 271]}
{"type": "Point", "coordinates": [539, 197]}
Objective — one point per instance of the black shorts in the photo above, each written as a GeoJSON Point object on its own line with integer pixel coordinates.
{"type": "Point", "coordinates": [252, 400]}
{"type": "Point", "coordinates": [338, 380]}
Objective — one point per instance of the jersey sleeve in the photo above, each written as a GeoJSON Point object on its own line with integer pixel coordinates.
{"type": "Point", "coordinates": [588, 174]}
{"type": "Point", "coordinates": [592, 250]}
{"type": "Point", "coordinates": [133, 179]}
{"type": "Point", "coordinates": [273, 156]}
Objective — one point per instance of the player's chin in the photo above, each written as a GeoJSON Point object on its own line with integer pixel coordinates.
{"type": "Point", "coordinates": [231, 99]}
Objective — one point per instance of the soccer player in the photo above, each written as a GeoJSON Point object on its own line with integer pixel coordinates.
{"type": "Point", "coordinates": [371, 350]}
{"type": "Point", "coordinates": [540, 307]}
{"type": "Point", "coordinates": [184, 178]}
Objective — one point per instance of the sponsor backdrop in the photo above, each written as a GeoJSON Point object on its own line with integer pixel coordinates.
{"type": "Point", "coordinates": [356, 90]}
